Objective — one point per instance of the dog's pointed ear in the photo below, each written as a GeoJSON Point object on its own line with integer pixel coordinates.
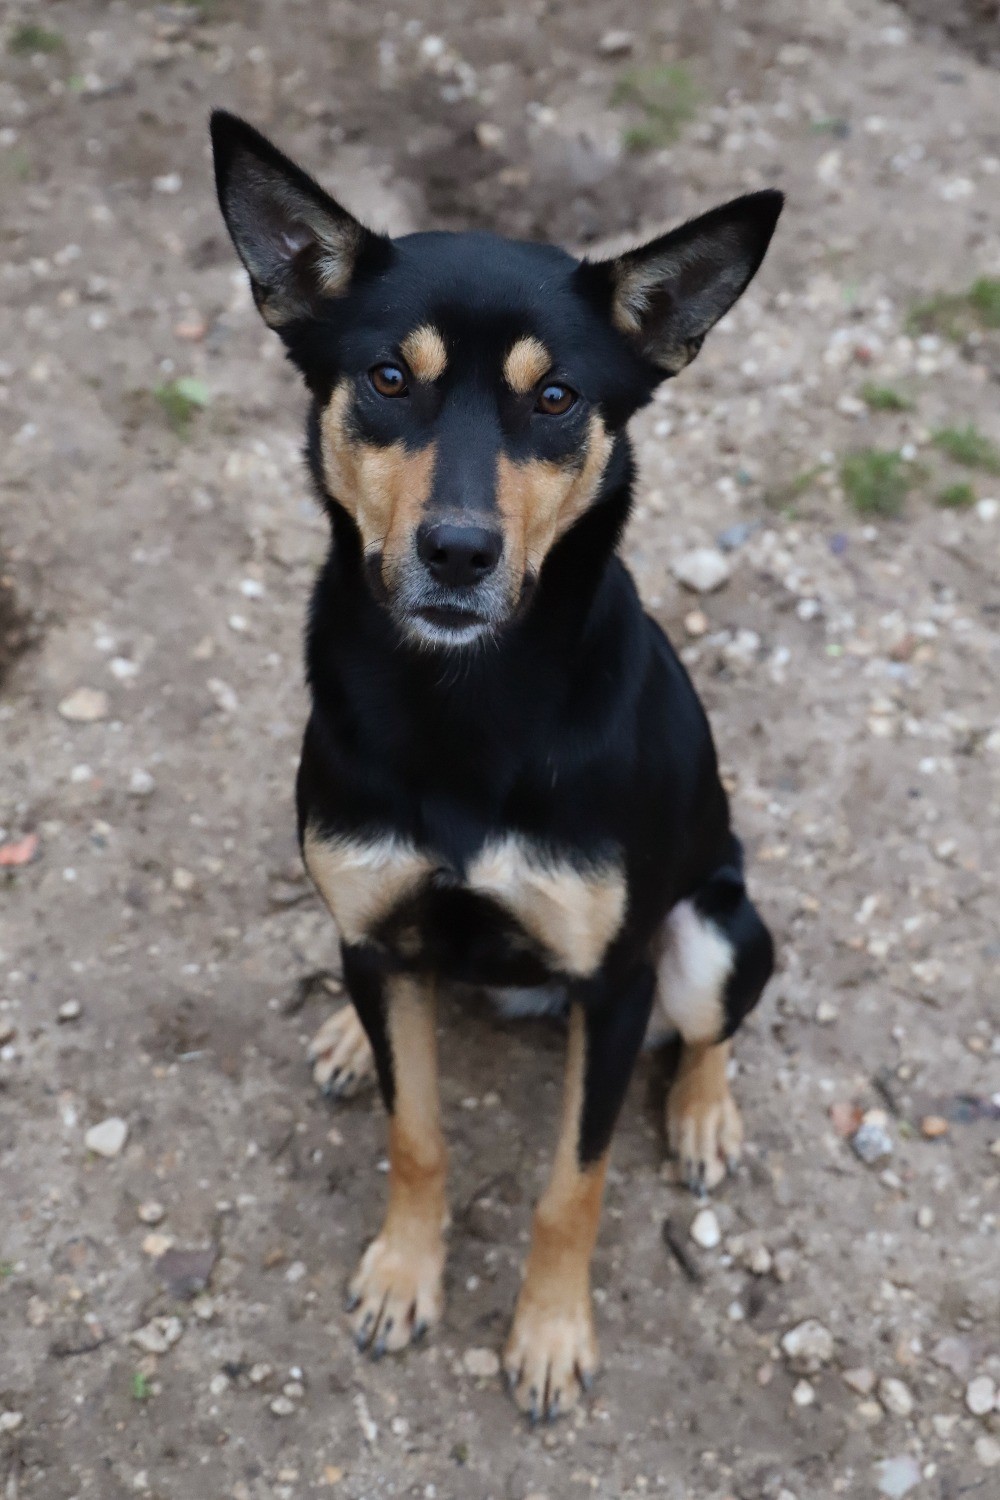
{"type": "Point", "coordinates": [666, 295]}
{"type": "Point", "coordinates": [298, 245]}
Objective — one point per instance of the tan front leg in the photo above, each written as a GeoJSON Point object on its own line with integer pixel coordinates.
{"type": "Point", "coordinates": [704, 1128]}
{"type": "Point", "coordinates": [552, 1350]}
{"type": "Point", "coordinates": [396, 1293]}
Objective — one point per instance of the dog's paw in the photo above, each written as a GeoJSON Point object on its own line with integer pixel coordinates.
{"type": "Point", "coordinates": [704, 1131]}
{"type": "Point", "coordinates": [341, 1055]}
{"type": "Point", "coordinates": [551, 1354]}
{"type": "Point", "coordinates": [396, 1294]}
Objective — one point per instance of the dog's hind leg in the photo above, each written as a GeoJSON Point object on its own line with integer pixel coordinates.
{"type": "Point", "coordinates": [341, 1055]}
{"type": "Point", "coordinates": [716, 958]}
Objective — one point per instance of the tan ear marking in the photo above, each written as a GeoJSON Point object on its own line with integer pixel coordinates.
{"type": "Point", "coordinates": [425, 352]}
{"type": "Point", "coordinates": [526, 363]}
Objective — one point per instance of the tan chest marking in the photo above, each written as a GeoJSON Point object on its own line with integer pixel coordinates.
{"type": "Point", "coordinates": [573, 913]}
{"type": "Point", "coordinates": [361, 882]}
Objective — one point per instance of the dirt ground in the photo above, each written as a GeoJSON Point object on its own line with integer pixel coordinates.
{"type": "Point", "coordinates": [158, 951]}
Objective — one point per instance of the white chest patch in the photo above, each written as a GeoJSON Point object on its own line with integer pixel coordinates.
{"type": "Point", "coordinates": [572, 912]}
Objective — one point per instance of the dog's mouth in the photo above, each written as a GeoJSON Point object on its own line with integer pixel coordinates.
{"type": "Point", "coordinates": [447, 625]}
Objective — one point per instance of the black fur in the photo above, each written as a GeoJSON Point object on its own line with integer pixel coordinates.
{"type": "Point", "coordinates": [573, 724]}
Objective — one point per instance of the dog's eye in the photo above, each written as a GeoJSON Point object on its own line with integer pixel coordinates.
{"type": "Point", "coordinates": [388, 380]}
{"type": "Point", "coordinates": [554, 399]}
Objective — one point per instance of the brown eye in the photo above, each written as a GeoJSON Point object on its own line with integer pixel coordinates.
{"type": "Point", "coordinates": [388, 380]}
{"type": "Point", "coordinates": [554, 399]}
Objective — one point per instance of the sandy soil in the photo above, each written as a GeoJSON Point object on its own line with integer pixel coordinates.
{"type": "Point", "coordinates": [159, 951]}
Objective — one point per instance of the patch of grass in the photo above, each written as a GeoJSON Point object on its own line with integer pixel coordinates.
{"type": "Point", "coordinates": [142, 1389]}
{"type": "Point", "coordinates": [884, 398]}
{"type": "Point", "coordinates": [876, 481]}
{"type": "Point", "coordinates": [668, 97]}
{"type": "Point", "coordinates": [984, 299]}
{"type": "Point", "coordinates": [955, 314]}
{"type": "Point", "coordinates": [782, 496]}
{"type": "Point", "coordinates": [180, 399]}
{"type": "Point", "coordinates": [28, 39]}
{"type": "Point", "coordinates": [6, 1269]}
{"type": "Point", "coordinates": [956, 497]}
{"type": "Point", "coordinates": [969, 447]}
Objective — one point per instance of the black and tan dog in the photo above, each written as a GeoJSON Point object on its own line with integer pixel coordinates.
{"type": "Point", "coordinates": [507, 779]}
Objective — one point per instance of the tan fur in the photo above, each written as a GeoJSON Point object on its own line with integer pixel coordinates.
{"type": "Point", "coordinates": [552, 1340]}
{"type": "Point", "coordinates": [362, 882]}
{"type": "Point", "coordinates": [703, 1124]}
{"type": "Point", "coordinates": [539, 501]}
{"type": "Point", "coordinates": [398, 1283]}
{"type": "Point", "coordinates": [526, 363]}
{"type": "Point", "coordinates": [425, 352]}
{"type": "Point", "coordinates": [384, 488]}
{"type": "Point", "coordinates": [572, 912]}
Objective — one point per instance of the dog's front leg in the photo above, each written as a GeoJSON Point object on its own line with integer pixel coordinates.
{"type": "Point", "coordinates": [552, 1350]}
{"type": "Point", "coordinates": [396, 1292]}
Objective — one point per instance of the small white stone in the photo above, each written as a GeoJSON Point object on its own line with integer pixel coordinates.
{"type": "Point", "coordinates": [10, 1421]}
{"type": "Point", "coordinates": [897, 1476]}
{"type": "Point", "coordinates": [218, 1385]}
{"type": "Point", "coordinates": [259, 1373]}
{"type": "Point", "coordinates": [122, 668]}
{"type": "Point", "coordinates": [803, 1394]}
{"type": "Point", "coordinates": [861, 1380]}
{"type": "Point", "coordinates": [140, 783]}
{"type": "Point", "coordinates": [152, 1212]}
{"type": "Point", "coordinates": [808, 1345]}
{"type": "Point", "coordinates": [702, 570]}
{"type": "Point", "coordinates": [759, 1260]}
{"type": "Point", "coordinates": [988, 509]}
{"type": "Point", "coordinates": [895, 1396]}
{"type": "Point", "coordinates": [158, 1336]}
{"type": "Point", "coordinates": [108, 1137]}
{"type": "Point", "coordinates": [705, 1229]}
{"type": "Point", "coordinates": [925, 1217]}
{"type": "Point", "coordinates": [69, 1010]}
{"type": "Point", "coordinates": [616, 43]}
{"type": "Point", "coordinates": [282, 1407]}
{"type": "Point", "coordinates": [170, 182]}
{"type": "Point", "coordinates": [980, 1395]}
{"type": "Point", "coordinates": [225, 699]}
{"type": "Point", "coordinates": [483, 1363]}
{"type": "Point", "coordinates": [182, 880]}
{"type": "Point", "coordinates": [85, 706]}
{"type": "Point", "coordinates": [987, 1452]}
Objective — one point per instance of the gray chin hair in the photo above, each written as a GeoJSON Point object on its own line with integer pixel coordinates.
{"type": "Point", "coordinates": [440, 637]}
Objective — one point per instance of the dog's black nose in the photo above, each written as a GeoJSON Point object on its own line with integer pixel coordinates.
{"type": "Point", "coordinates": [458, 556]}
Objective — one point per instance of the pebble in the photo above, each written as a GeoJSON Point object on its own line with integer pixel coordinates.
{"type": "Point", "coordinates": [896, 1396]}
{"type": "Point", "coordinates": [85, 706]}
{"type": "Point", "coordinates": [282, 1406]}
{"type": "Point", "coordinates": [954, 1355]}
{"type": "Point", "coordinates": [482, 1363]}
{"type": "Point", "coordinates": [69, 1010]}
{"type": "Point", "coordinates": [803, 1394]}
{"type": "Point", "coordinates": [759, 1261]}
{"type": "Point", "coordinates": [10, 1421]}
{"type": "Point", "coordinates": [988, 509]}
{"type": "Point", "coordinates": [981, 1395]}
{"type": "Point", "coordinates": [152, 1212]}
{"type": "Point", "coordinates": [705, 1229]}
{"type": "Point", "coordinates": [159, 1335]}
{"type": "Point", "coordinates": [155, 1245]}
{"type": "Point", "coordinates": [933, 1126]}
{"type": "Point", "coordinates": [987, 1450]}
{"type": "Point", "coordinates": [871, 1142]}
{"type": "Point", "coordinates": [925, 1217]}
{"type": "Point", "coordinates": [702, 570]}
{"type": "Point", "coordinates": [108, 1137]}
{"type": "Point", "coordinates": [616, 43]}
{"type": "Point", "coordinates": [140, 783]}
{"type": "Point", "coordinates": [861, 1380]}
{"type": "Point", "coordinates": [696, 623]}
{"type": "Point", "coordinates": [808, 1346]}
{"type": "Point", "coordinates": [896, 1477]}
{"type": "Point", "coordinates": [8, 1031]}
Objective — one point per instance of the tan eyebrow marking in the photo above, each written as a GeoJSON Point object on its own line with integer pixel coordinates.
{"type": "Point", "coordinates": [526, 363]}
{"type": "Point", "coordinates": [425, 352]}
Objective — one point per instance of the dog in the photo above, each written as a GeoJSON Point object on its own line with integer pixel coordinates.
{"type": "Point", "coordinates": [507, 780]}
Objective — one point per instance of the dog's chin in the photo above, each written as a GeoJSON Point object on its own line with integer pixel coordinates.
{"type": "Point", "coordinates": [443, 628]}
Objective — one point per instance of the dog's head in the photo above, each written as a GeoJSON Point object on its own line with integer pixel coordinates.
{"type": "Point", "coordinates": [469, 388]}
